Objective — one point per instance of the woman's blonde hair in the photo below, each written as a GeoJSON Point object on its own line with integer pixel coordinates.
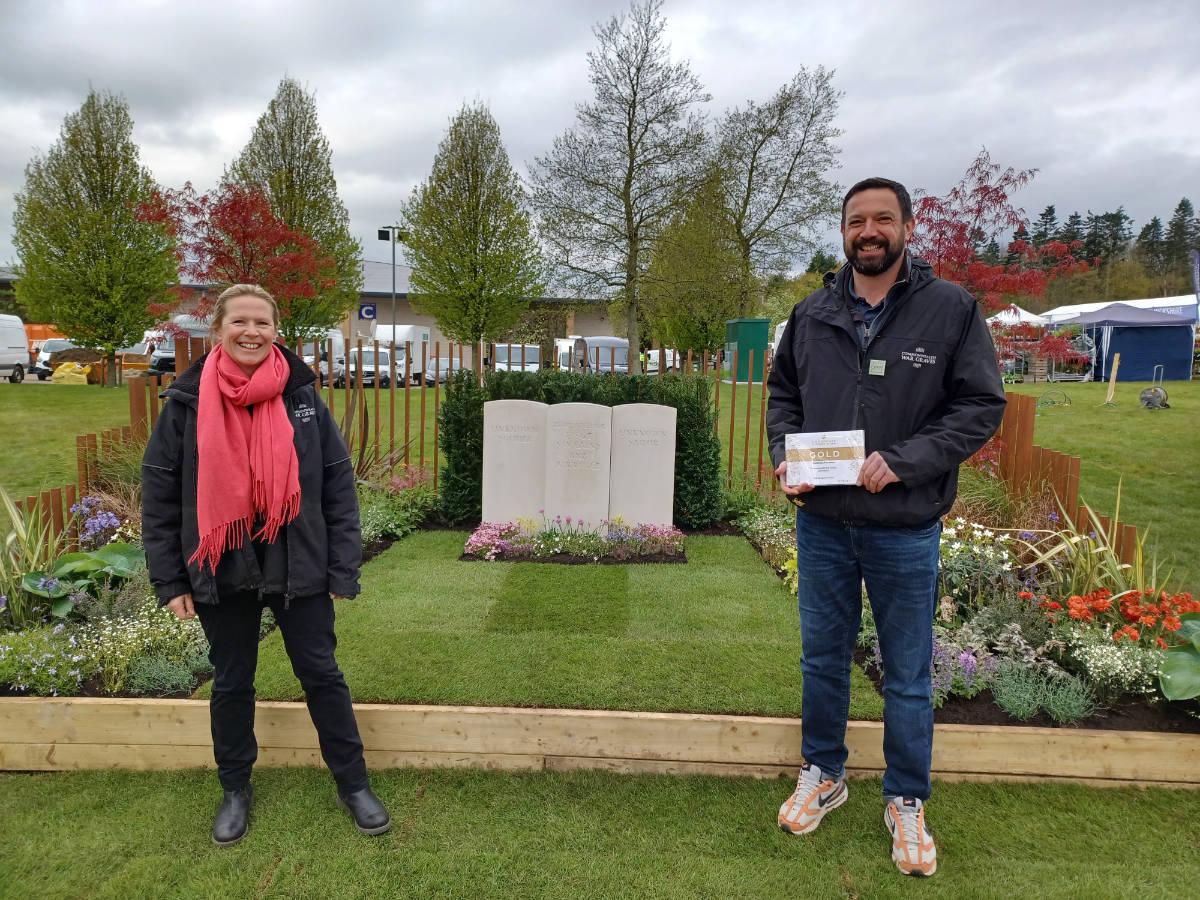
{"type": "Point", "coordinates": [242, 290]}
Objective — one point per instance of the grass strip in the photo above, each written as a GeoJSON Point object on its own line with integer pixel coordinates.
{"type": "Point", "coordinates": [717, 635]}
{"type": "Point", "coordinates": [128, 835]}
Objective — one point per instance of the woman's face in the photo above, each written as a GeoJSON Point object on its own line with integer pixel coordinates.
{"type": "Point", "coordinates": [247, 331]}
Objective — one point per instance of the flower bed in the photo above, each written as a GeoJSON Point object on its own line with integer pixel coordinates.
{"type": "Point", "coordinates": [571, 541]}
{"type": "Point", "coordinates": [1013, 641]}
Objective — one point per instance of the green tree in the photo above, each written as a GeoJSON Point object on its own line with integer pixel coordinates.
{"type": "Point", "coordinates": [1151, 251]}
{"type": "Point", "coordinates": [611, 183]}
{"type": "Point", "coordinates": [781, 300]}
{"type": "Point", "coordinates": [289, 159]}
{"type": "Point", "coordinates": [1072, 230]}
{"type": "Point", "coordinates": [698, 276]}
{"type": "Point", "coordinates": [823, 261]}
{"type": "Point", "coordinates": [1108, 235]}
{"type": "Point", "coordinates": [1045, 228]}
{"type": "Point", "coordinates": [777, 157]}
{"type": "Point", "coordinates": [90, 263]}
{"type": "Point", "coordinates": [475, 259]}
{"type": "Point", "coordinates": [1182, 235]}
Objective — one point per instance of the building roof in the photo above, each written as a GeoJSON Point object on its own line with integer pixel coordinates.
{"type": "Point", "coordinates": [377, 279]}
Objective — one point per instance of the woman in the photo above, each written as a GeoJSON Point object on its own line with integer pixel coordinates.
{"type": "Point", "coordinates": [248, 501]}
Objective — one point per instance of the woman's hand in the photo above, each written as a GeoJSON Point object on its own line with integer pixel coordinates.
{"type": "Point", "coordinates": [182, 606]}
{"type": "Point", "coordinates": [333, 596]}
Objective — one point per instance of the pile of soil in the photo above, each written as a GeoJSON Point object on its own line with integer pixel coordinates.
{"type": "Point", "coordinates": [83, 357]}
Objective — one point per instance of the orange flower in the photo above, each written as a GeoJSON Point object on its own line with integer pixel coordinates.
{"type": "Point", "coordinates": [1148, 620]}
{"type": "Point", "coordinates": [1172, 623]}
{"type": "Point", "coordinates": [1161, 643]}
{"type": "Point", "coordinates": [1025, 595]}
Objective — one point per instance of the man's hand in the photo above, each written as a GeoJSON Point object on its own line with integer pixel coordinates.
{"type": "Point", "coordinates": [876, 474]}
{"type": "Point", "coordinates": [182, 606]}
{"type": "Point", "coordinates": [791, 490]}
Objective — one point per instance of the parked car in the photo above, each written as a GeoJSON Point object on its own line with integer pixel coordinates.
{"type": "Point", "coordinates": [162, 360]}
{"type": "Point", "coordinates": [373, 368]}
{"type": "Point", "coordinates": [14, 348]}
{"type": "Point", "coordinates": [444, 369]}
{"type": "Point", "coordinates": [518, 357]}
{"type": "Point", "coordinates": [338, 368]}
{"type": "Point", "coordinates": [41, 367]}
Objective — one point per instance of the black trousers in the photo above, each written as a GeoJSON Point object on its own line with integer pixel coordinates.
{"type": "Point", "coordinates": [232, 628]}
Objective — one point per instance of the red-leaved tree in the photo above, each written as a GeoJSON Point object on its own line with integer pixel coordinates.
{"type": "Point", "coordinates": [951, 229]}
{"type": "Point", "coordinates": [230, 236]}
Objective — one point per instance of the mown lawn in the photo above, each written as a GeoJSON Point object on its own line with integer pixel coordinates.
{"type": "Point", "coordinates": [480, 834]}
{"type": "Point", "coordinates": [1152, 454]}
{"type": "Point", "coordinates": [719, 634]}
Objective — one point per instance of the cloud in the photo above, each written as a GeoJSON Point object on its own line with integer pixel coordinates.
{"type": "Point", "coordinates": [1099, 95]}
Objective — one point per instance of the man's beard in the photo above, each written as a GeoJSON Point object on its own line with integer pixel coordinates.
{"type": "Point", "coordinates": [891, 253]}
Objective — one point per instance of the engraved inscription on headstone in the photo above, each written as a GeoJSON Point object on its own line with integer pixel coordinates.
{"type": "Point", "coordinates": [577, 462]}
{"type": "Point", "coordinates": [514, 460]}
{"type": "Point", "coordinates": [642, 483]}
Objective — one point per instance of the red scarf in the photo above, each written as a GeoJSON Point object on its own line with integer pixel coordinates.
{"type": "Point", "coordinates": [247, 464]}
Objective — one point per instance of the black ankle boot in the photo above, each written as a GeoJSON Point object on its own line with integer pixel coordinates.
{"type": "Point", "coordinates": [232, 820]}
{"type": "Point", "coordinates": [368, 812]}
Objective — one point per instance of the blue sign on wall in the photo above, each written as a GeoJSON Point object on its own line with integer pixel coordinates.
{"type": "Point", "coordinates": [366, 310]}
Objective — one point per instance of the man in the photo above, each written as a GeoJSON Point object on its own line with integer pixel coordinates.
{"type": "Point", "coordinates": [888, 348]}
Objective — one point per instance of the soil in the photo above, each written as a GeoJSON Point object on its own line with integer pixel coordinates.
{"type": "Point", "coordinates": [1182, 717]}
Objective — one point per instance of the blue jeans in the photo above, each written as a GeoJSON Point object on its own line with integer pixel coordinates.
{"type": "Point", "coordinates": [900, 567]}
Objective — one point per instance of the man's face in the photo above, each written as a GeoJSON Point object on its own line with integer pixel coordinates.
{"type": "Point", "coordinates": [873, 235]}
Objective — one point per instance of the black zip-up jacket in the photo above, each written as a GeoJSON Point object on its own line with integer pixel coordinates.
{"type": "Point", "coordinates": [939, 399]}
{"type": "Point", "coordinates": [317, 552]}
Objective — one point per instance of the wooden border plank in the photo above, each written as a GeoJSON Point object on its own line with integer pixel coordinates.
{"type": "Point", "coordinates": [77, 733]}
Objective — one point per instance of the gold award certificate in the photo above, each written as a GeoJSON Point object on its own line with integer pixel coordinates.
{"type": "Point", "coordinates": [824, 457]}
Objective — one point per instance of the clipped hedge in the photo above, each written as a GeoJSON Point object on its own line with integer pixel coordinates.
{"type": "Point", "coordinates": [698, 498]}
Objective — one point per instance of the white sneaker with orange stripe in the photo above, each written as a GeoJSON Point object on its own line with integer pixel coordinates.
{"type": "Point", "coordinates": [814, 796]}
{"type": "Point", "coordinates": [913, 849]}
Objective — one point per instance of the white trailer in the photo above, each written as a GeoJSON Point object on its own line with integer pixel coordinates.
{"type": "Point", "coordinates": [415, 335]}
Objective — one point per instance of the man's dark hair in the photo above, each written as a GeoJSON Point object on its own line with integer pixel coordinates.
{"type": "Point", "coordinates": [887, 184]}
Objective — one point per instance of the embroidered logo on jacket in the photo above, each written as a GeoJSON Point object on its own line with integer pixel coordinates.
{"type": "Point", "coordinates": [918, 357]}
{"type": "Point", "coordinates": [304, 413]}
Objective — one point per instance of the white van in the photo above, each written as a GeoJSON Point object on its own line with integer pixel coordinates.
{"type": "Point", "coordinates": [14, 348]}
{"type": "Point", "coordinates": [518, 357]}
{"type": "Point", "coordinates": [595, 353]}
{"type": "Point", "coordinates": [375, 368]}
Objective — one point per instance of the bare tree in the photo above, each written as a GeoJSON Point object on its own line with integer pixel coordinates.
{"type": "Point", "coordinates": [611, 183]}
{"type": "Point", "coordinates": [776, 158]}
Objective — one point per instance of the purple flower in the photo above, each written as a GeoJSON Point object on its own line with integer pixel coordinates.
{"type": "Point", "coordinates": [1053, 517]}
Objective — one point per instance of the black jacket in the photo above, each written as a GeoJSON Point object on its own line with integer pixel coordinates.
{"type": "Point", "coordinates": [319, 551]}
{"type": "Point", "coordinates": [939, 400]}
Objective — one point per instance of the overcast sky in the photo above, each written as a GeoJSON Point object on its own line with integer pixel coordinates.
{"type": "Point", "coordinates": [1103, 97]}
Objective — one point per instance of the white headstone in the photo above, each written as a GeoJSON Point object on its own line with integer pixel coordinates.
{"type": "Point", "coordinates": [577, 462]}
{"type": "Point", "coordinates": [642, 480]}
{"type": "Point", "coordinates": [514, 460]}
